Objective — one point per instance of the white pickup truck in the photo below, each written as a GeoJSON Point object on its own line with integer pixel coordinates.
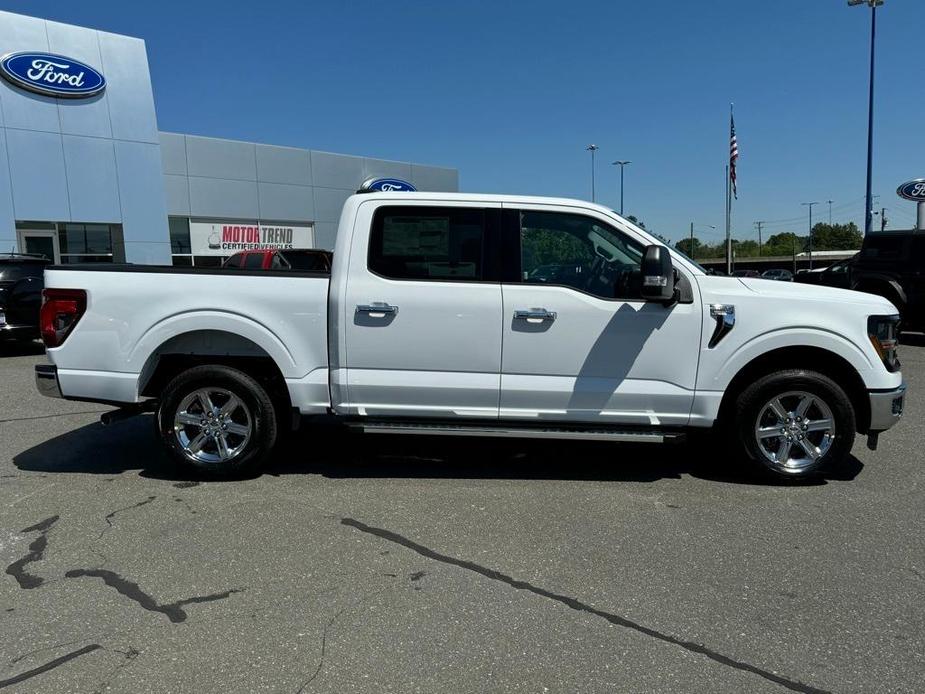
{"type": "Point", "coordinates": [456, 314]}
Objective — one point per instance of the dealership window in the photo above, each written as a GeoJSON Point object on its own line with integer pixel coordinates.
{"type": "Point", "coordinates": [428, 243]}
{"type": "Point", "coordinates": [87, 243]}
{"type": "Point", "coordinates": [180, 241]}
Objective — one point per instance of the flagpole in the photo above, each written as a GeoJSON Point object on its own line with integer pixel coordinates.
{"type": "Point", "coordinates": [728, 216]}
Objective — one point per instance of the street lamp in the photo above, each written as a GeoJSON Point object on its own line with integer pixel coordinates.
{"type": "Point", "coordinates": [810, 206]}
{"type": "Point", "coordinates": [868, 212]}
{"type": "Point", "coordinates": [621, 164]}
{"type": "Point", "coordinates": [592, 149]}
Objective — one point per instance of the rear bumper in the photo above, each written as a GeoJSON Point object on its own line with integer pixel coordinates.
{"type": "Point", "coordinates": [886, 407]}
{"type": "Point", "coordinates": [46, 380]}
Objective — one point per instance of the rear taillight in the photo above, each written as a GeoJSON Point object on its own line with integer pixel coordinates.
{"type": "Point", "coordinates": [61, 309]}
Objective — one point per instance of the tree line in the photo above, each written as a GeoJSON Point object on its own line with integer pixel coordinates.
{"type": "Point", "coordinates": [826, 237]}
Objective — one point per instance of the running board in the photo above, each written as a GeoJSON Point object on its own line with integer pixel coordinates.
{"type": "Point", "coordinates": [588, 434]}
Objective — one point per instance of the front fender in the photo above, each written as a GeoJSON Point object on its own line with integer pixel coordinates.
{"type": "Point", "coordinates": [719, 367]}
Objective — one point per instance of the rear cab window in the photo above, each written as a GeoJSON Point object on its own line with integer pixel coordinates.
{"type": "Point", "coordinates": [428, 243]}
{"type": "Point", "coordinates": [253, 261]}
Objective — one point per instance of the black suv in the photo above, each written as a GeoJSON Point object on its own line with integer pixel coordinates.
{"type": "Point", "coordinates": [21, 283]}
{"type": "Point", "coordinates": [890, 264]}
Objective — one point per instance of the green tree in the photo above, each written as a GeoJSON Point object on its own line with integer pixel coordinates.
{"type": "Point", "coordinates": [836, 237]}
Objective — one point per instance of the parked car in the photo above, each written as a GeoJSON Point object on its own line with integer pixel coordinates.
{"type": "Point", "coordinates": [746, 273]}
{"type": "Point", "coordinates": [890, 264]}
{"type": "Point", "coordinates": [20, 295]}
{"type": "Point", "coordinates": [778, 274]}
{"type": "Point", "coordinates": [835, 275]}
{"type": "Point", "coordinates": [307, 260]}
{"type": "Point", "coordinates": [429, 323]}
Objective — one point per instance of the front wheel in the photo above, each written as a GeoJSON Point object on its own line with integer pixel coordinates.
{"type": "Point", "coordinates": [217, 420]}
{"type": "Point", "coordinates": [795, 424]}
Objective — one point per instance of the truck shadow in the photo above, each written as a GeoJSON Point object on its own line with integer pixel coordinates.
{"type": "Point", "coordinates": [131, 445]}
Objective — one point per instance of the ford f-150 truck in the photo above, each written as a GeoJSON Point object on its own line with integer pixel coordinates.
{"type": "Point", "coordinates": [440, 316]}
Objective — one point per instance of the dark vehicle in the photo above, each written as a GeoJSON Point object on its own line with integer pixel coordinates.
{"type": "Point", "coordinates": [835, 275]}
{"type": "Point", "coordinates": [890, 264]}
{"type": "Point", "coordinates": [745, 273]}
{"type": "Point", "coordinates": [21, 283]}
{"type": "Point", "coordinates": [301, 260]}
{"type": "Point", "coordinates": [778, 274]}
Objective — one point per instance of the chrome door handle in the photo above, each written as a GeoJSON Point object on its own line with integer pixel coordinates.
{"type": "Point", "coordinates": [377, 307]}
{"type": "Point", "coordinates": [535, 314]}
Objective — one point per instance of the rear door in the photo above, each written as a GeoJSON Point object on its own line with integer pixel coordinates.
{"type": "Point", "coordinates": [422, 311]}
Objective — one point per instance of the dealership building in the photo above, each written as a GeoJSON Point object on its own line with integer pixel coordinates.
{"type": "Point", "coordinates": [86, 176]}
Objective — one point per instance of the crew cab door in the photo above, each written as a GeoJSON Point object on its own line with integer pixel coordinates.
{"type": "Point", "coordinates": [578, 346]}
{"type": "Point", "coordinates": [422, 315]}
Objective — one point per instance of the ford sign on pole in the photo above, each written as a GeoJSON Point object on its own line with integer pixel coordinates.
{"type": "Point", "coordinates": [914, 191]}
{"type": "Point", "coordinates": [52, 75]}
{"type": "Point", "coordinates": [386, 185]}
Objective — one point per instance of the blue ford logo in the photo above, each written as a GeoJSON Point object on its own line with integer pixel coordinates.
{"type": "Point", "coordinates": [387, 185]}
{"type": "Point", "coordinates": [913, 190]}
{"type": "Point", "coordinates": [52, 75]}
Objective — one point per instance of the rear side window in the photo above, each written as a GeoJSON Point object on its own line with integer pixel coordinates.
{"type": "Point", "coordinates": [428, 243]}
{"type": "Point", "coordinates": [253, 261]}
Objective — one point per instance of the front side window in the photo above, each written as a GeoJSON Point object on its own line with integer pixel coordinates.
{"type": "Point", "coordinates": [579, 252]}
{"type": "Point", "coordinates": [428, 243]}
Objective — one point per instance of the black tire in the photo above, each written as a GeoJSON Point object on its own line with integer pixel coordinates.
{"type": "Point", "coordinates": [226, 452]}
{"type": "Point", "coordinates": [825, 398]}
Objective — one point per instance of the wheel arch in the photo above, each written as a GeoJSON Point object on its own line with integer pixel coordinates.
{"type": "Point", "coordinates": [810, 358]}
{"type": "Point", "coordinates": [208, 346]}
{"type": "Point", "coordinates": [867, 282]}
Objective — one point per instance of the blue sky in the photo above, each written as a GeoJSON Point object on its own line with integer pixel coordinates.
{"type": "Point", "coordinates": [512, 92]}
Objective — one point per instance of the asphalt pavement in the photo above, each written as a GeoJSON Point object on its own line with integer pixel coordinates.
{"type": "Point", "coordinates": [409, 564]}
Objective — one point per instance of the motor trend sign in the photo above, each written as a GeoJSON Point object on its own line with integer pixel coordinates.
{"type": "Point", "coordinates": [228, 238]}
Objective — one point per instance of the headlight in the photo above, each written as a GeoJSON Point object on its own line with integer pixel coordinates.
{"type": "Point", "coordinates": [883, 332]}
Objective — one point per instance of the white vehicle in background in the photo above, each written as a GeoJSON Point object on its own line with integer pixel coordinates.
{"type": "Point", "coordinates": [456, 314]}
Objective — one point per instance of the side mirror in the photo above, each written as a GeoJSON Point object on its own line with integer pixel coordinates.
{"type": "Point", "coordinates": [657, 275]}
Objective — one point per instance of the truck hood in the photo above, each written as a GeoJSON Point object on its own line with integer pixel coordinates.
{"type": "Point", "coordinates": [795, 291]}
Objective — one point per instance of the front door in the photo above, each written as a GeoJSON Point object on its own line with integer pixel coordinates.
{"type": "Point", "coordinates": [422, 316]}
{"type": "Point", "coordinates": [40, 242]}
{"type": "Point", "coordinates": [579, 345]}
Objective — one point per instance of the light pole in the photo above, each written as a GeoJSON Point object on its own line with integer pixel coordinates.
{"type": "Point", "coordinates": [810, 206]}
{"type": "Point", "coordinates": [869, 211]}
{"type": "Point", "coordinates": [692, 238]}
{"type": "Point", "coordinates": [759, 225]}
{"type": "Point", "coordinates": [621, 164]}
{"type": "Point", "coordinates": [830, 211]}
{"type": "Point", "coordinates": [592, 149]}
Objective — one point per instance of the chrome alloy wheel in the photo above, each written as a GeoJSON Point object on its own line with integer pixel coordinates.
{"type": "Point", "coordinates": [794, 430]}
{"type": "Point", "coordinates": [212, 425]}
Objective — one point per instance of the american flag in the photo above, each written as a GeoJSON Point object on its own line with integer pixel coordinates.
{"type": "Point", "coordinates": [733, 155]}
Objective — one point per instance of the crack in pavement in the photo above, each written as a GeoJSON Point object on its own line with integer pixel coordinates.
{"type": "Point", "coordinates": [174, 610]}
{"type": "Point", "coordinates": [579, 606]}
{"type": "Point", "coordinates": [110, 516]}
{"type": "Point", "coordinates": [51, 665]}
{"type": "Point", "coordinates": [36, 553]}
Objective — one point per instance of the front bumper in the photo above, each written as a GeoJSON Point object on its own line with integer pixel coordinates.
{"type": "Point", "coordinates": [46, 380]}
{"type": "Point", "coordinates": [886, 408]}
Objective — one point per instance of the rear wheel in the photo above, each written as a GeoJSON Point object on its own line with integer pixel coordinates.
{"type": "Point", "coordinates": [795, 424]}
{"type": "Point", "coordinates": [217, 420]}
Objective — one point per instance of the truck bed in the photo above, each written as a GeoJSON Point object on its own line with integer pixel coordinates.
{"type": "Point", "coordinates": [136, 315]}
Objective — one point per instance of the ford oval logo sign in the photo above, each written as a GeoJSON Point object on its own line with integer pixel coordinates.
{"type": "Point", "coordinates": [913, 190]}
{"type": "Point", "coordinates": [52, 75]}
{"type": "Point", "coordinates": [387, 185]}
